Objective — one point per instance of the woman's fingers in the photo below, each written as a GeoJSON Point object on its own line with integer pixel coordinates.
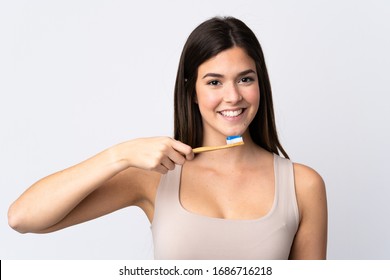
{"type": "Point", "coordinates": [159, 154]}
{"type": "Point", "coordinates": [173, 153]}
{"type": "Point", "coordinates": [168, 163]}
{"type": "Point", "coordinates": [183, 149]}
{"type": "Point", "coordinates": [160, 169]}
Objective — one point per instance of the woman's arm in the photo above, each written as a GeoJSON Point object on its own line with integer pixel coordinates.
{"type": "Point", "coordinates": [115, 178]}
{"type": "Point", "coordinates": [311, 238]}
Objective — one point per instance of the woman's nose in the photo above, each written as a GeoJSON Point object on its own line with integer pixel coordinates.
{"type": "Point", "coordinates": [232, 94]}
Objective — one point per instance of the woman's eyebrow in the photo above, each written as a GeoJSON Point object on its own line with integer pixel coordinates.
{"type": "Point", "coordinates": [216, 75]}
{"type": "Point", "coordinates": [246, 72]}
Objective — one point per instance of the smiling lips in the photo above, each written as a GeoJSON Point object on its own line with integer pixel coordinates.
{"type": "Point", "coordinates": [231, 113]}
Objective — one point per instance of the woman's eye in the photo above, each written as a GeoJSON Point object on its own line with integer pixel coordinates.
{"type": "Point", "coordinates": [246, 80]}
{"type": "Point", "coordinates": [214, 83]}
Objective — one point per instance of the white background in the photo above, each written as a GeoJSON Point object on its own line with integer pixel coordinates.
{"type": "Point", "coordinates": [79, 76]}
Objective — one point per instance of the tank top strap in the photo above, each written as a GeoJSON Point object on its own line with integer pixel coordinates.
{"type": "Point", "coordinates": [285, 190]}
{"type": "Point", "coordinates": [167, 196]}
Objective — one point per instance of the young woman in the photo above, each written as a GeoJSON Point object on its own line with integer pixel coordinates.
{"type": "Point", "coordinates": [245, 202]}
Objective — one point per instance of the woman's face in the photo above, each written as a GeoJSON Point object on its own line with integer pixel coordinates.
{"type": "Point", "coordinates": [228, 95]}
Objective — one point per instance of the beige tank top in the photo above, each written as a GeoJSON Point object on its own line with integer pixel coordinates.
{"type": "Point", "coordinates": [180, 234]}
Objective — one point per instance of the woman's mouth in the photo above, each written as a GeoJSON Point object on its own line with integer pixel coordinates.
{"type": "Point", "coordinates": [231, 113]}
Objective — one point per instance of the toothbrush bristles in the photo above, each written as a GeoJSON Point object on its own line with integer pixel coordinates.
{"type": "Point", "coordinates": [234, 139]}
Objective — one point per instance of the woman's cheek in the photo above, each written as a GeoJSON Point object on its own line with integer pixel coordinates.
{"type": "Point", "coordinates": [208, 100]}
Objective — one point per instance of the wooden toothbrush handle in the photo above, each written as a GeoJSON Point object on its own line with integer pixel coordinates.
{"type": "Point", "coordinates": [208, 149]}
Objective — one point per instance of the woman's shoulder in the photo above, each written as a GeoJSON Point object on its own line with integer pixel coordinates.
{"type": "Point", "coordinates": [309, 186]}
{"type": "Point", "coordinates": [306, 176]}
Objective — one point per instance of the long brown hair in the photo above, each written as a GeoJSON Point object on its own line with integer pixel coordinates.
{"type": "Point", "coordinates": [207, 40]}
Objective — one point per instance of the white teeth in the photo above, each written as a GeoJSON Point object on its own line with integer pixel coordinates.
{"type": "Point", "coordinates": [231, 113]}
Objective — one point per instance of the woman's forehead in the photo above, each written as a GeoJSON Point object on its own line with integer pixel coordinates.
{"type": "Point", "coordinates": [231, 61]}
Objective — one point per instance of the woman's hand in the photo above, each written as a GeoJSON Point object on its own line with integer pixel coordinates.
{"type": "Point", "coordinates": [154, 154]}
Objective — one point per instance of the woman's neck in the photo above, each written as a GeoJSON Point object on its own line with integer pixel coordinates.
{"type": "Point", "coordinates": [231, 157]}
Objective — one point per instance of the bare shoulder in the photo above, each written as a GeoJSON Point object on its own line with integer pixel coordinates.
{"type": "Point", "coordinates": [307, 179]}
{"type": "Point", "coordinates": [310, 241]}
{"type": "Point", "coordinates": [309, 185]}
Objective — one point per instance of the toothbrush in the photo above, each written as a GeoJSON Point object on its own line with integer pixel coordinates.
{"type": "Point", "coordinates": [231, 141]}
